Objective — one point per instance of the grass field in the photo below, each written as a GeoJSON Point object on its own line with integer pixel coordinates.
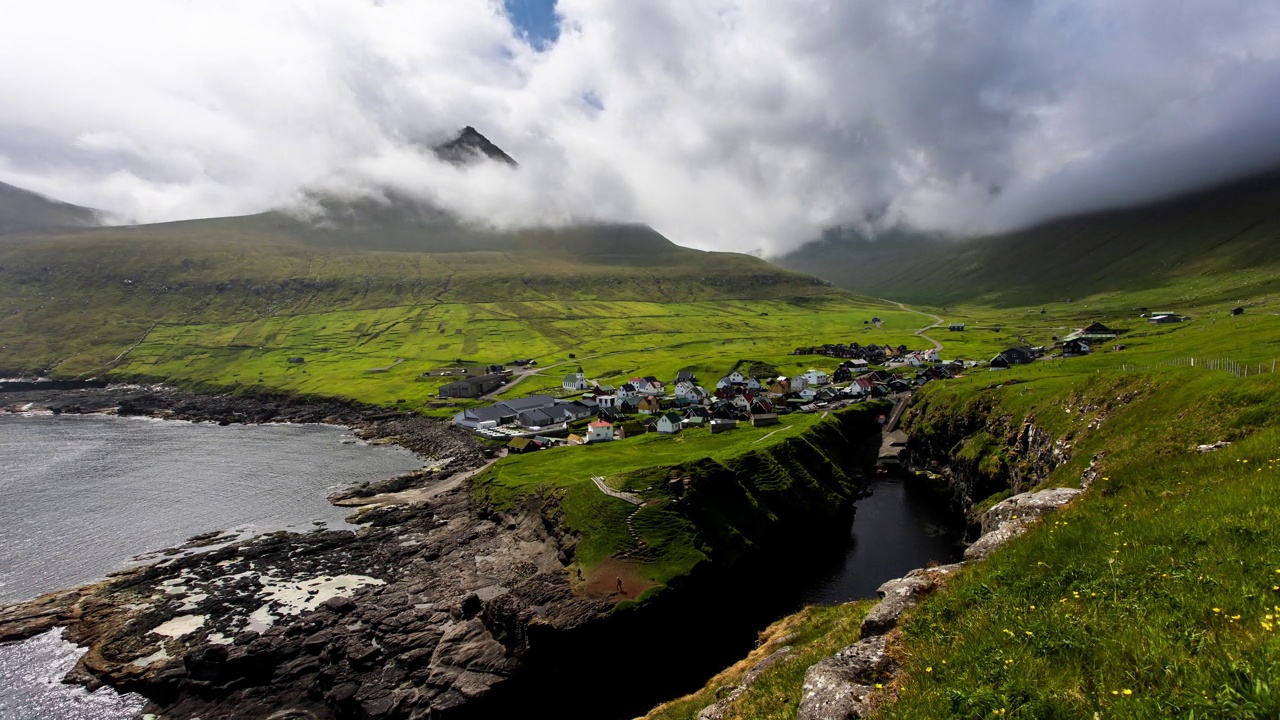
{"type": "Point", "coordinates": [1155, 595]}
{"type": "Point", "coordinates": [613, 341]}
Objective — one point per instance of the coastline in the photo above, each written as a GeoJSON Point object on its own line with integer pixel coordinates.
{"type": "Point", "coordinates": [310, 622]}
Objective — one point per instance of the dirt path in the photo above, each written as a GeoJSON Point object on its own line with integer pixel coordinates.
{"type": "Point", "coordinates": [599, 481]}
{"type": "Point", "coordinates": [937, 322]}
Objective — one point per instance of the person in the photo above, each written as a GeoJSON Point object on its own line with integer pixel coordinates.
{"type": "Point", "coordinates": [620, 585]}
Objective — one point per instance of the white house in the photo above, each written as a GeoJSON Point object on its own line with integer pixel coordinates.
{"type": "Point", "coordinates": [576, 381]}
{"type": "Point", "coordinates": [736, 378]}
{"type": "Point", "coordinates": [815, 377]}
{"type": "Point", "coordinates": [648, 385]}
{"type": "Point", "coordinates": [753, 384]}
{"type": "Point", "coordinates": [607, 401]}
{"type": "Point", "coordinates": [627, 390]}
{"type": "Point", "coordinates": [799, 382]}
{"type": "Point", "coordinates": [599, 431]}
{"type": "Point", "coordinates": [669, 424]}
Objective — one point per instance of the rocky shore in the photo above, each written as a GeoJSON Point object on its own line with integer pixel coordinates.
{"type": "Point", "coordinates": [426, 609]}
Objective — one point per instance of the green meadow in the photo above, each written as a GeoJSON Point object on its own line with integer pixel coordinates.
{"type": "Point", "coordinates": [1156, 594]}
{"type": "Point", "coordinates": [380, 355]}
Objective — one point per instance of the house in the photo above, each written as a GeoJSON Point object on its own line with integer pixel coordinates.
{"type": "Point", "coordinates": [1165, 318]}
{"type": "Point", "coordinates": [473, 386]}
{"type": "Point", "coordinates": [611, 414]}
{"type": "Point", "coordinates": [1076, 348]}
{"type": "Point", "coordinates": [522, 445]}
{"type": "Point", "coordinates": [753, 385]}
{"type": "Point", "coordinates": [501, 413]}
{"type": "Point", "coordinates": [607, 401]}
{"type": "Point", "coordinates": [781, 386]}
{"type": "Point", "coordinates": [1237, 311]}
{"type": "Point", "coordinates": [686, 390]}
{"type": "Point", "coordinates": [599, 431]}
{"type": "Point", "coordinates": [798, 383]}
{"type": "Point", "coordinates": [686, 376]}
{"type": "Point", "coordinates": [815, 377]}
{"type": "Point", "coordinates": [764, 419]}
{"type": "Point", "coordinates": [581, 409]}
{"type": "Point", "coordinates": [956, 327]}
{"type": "Point", "coordinates": [296, 360]}
{"type": "Point", "coordinates": [1095, 331]}
{"type": "Point", "coordinates": [842, 374]}
{"type": "Point", "coordinates": [577, 440]}
{"type": "Point", "coordinates": [1017, 356]}
{"type": "Point", "coordinates": [736, 378]}
{"type": "Point", "coordinates": [627, 390]}
{"type": "Point", "coordinates": [669, 423]}
{"type": "Point", "coordinates": [576, 381]}
{"type": "Point", "coordinates": [694, 421]}
{"type": "Point", "coordinates": [648, 385]}
{"type": "Point", "coordinates": [761, 406]}
{"type": "Point", "coordinates": [697, 411]}
{"type": "Point", "coordinates": [649, 406]}
{"type": "Point", "coordinates": [719, 425]}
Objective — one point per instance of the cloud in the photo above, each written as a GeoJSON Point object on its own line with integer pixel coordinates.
{"type": "Point", "coordinates": [732, 124]}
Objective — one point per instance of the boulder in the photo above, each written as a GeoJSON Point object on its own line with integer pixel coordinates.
{"type": "Point", "coordinates": [1026, 507]}
{"type": "Point", "coordinates": [839, 687]}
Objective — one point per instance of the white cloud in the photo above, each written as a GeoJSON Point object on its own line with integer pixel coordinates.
{"type": "Point", "coordinates": [735, 124]}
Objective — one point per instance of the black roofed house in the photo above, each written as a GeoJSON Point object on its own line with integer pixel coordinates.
{"type": "Point", "coordinates": [764, 419]}
{"type": "Point", "coordinates": [1018, 356]}
{"type": "Point", "coordinates": [686, 376]}
{"type": "Point", "coordinates": [719, 425]}
{"type": "Point", "coordinates": [473, 386]}
{"type": "Point", "coordinates": [1076, 348]}
{"type": "Point", "coordinates": [535, 418]}
{"type": "Point", "coordinates": [1165, 318]}
{"type": "Point", "coordinates": [1237, 311]}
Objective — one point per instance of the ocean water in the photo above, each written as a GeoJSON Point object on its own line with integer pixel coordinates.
{"type": "Point", "coordinates": [84, 495]}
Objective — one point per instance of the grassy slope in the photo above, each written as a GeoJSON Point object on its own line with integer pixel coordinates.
{"type": "Point", "coordinates": [614, 341]}
{"type": "Point", "coordinates": [746, 483]}
{"type": "Point", "coordinates": [1187, 532]}
{"type": "Point", "coordinates": [1144, 248]}
{"type": "Point", "coordinates": [71, 304]}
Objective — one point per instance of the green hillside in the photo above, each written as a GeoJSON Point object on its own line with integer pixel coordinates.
{"type": "Point", "coordinates": [71, 303]}
{"type": "Point", "coordinates": [1207, 233]}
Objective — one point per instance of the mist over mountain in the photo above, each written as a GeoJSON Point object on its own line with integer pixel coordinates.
{"type": "Point", "coordinates": [1233, 227]}
{"type": "Point", "coordinates": [22, 211]}
{"type": "Point", "coordinates": [728, 125]}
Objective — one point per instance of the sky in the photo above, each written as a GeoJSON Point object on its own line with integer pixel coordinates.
{"type": "Point", "coordinates": [746, 125]}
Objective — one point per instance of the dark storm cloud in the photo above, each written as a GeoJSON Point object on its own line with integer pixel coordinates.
{"type": "Point", "coordinates": [735, 124]}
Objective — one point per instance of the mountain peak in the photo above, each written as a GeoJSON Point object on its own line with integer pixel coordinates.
{"type": "Point", "coordinates": [470, 146]}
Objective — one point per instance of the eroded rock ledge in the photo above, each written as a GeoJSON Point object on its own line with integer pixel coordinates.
{"type": "Point", "coordinates": [427, 608]}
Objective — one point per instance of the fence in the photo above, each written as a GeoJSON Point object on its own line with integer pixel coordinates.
{"type": "Point", "coordinates": [1224, 364]}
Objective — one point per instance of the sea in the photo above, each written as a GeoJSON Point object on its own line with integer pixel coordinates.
{"type": "Point", "coordinates": [84, 495]}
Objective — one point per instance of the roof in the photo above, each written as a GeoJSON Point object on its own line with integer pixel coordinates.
{"type": "Point", "coordinates": [519, 443]}
{"type": "Point", "coordinates": [684, 375]}
{"type": "Point", "coordinates": [672, 418]}
{"type": "Point", "coordinates": [601, 424]}
{"type": "Point", "coordinates": [528, 403]}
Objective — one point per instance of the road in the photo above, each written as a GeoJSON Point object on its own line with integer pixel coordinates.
{"type": "Point", "coordinates": [937, 322]}
{"type": "Point", "coordinates": [519, 375]}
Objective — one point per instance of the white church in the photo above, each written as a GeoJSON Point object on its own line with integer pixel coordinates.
{"type": "Point", "coordinates": [576, 381]}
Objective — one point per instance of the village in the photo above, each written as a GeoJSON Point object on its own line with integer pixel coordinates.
{"type": "Point", "coordinates": [586, 411]}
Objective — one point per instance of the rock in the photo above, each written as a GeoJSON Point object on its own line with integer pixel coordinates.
{"type": "Point", "coordinates": [339, 605]}
{"type": "Point", "coordinates": [898, 596]}
{"type": "Point", "coordinates": [1027, 507]}
{"type": "Point", "coordinates": [729, 693]}
{"type": "Point", "coordinates": [839, 687]}
{"type": "Point", "coordinates": [1010, 518]}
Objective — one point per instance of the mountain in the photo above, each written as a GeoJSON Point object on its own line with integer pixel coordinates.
{"type": "Point", "coordinates": [22, 211]}
{"type": "Point", "coordinates": [1224, 229]}
{"type": "Point", "coordinates": [81, 296]}
{"type": "Point", "coordinates": [469, 146]}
